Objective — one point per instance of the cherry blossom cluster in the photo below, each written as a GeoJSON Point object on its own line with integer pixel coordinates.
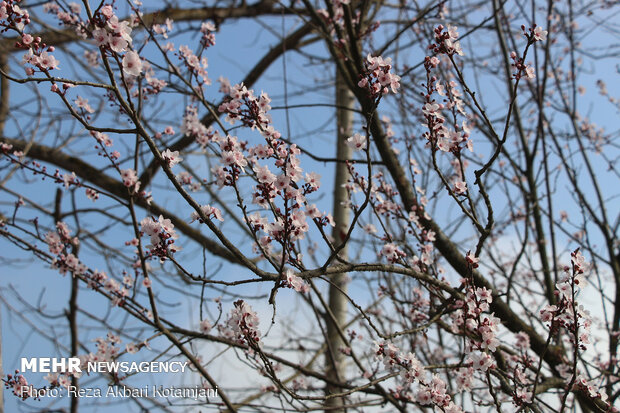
{"type": "Point", "coordinates": [186, 179]}
{"type": "Point", "coordinates": [208, 34]}
{"type": "Point", "coordinates": [38, 54]}
{"type": "Point", "coordinates": [411, 371]}
{"type": "Point", "coordinates": [192, 126]}
{"type": "Point", "coordinates": [130, 179]}
{"type": "Point", "coordinates": [592, 389]}
{"type": "Point", "coordinates": [163, 29]}
{"type": "Point", "coordinates": [567, 313]}
{"type": "Point", "coordinates": [162, 237]}
{"type": "Point", "coordinates": [596, 135]}
{"type": "Point", "coordinates": [534, 34]}
{"type": "Point", "coordinates": [295, 282]}
{"type": "Point", "coordinates": [244, 106]}
{"type": "Point", "coordinates": [208, 211]}
{"type": "Point", "coordinates": [337, 10]}
{"type": "Point", "coordinates": [69, 16]}
{"type": "Point", "coordinates": [196, 65]}
{"type": "Point", "coordinates": [602, 89]}
{"type": "Point", "coordinates": [383, 200]}
{"type": "Point", "coordinates": [481, 328]}
{"type": "Point", "coordinates": [104, 142]}
{"type": "Point", "coordinates": [334, 19]}
{"type": "Point", "coordinates": [61, 244]}
{"type": "Point", "coordinates": [108, 349]}
{"type": "Point", "coordinates": [290, 217]}
{"type": "Point", "coordinates": [171, 157]}
{"type": "Point", "coordinates": [357, 142]}
{"type": "Point", "coordinates": [377, 79]}
{"type": "Point", "coordinates": [67, 179]}
{"type": "Point", "coordinates": [392, 253]}
{"type": "Point", "coordinates": [439, 135]}
{"type": "Point", "coordinates": [17, 383]}
{"type": "Point", "coordinates": [242, 324]}
{"type": "Point", "coordinates": [446, 41]}
{"type": "Point", "coordinates": [521, 68]}
{"type": "Point", "coordinates": [12, 16]}
{"type": "Point", "coordinates": [109, 33]}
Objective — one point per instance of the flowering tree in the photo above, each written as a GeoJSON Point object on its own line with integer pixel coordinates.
{"type": "Point", "coordinates": [453, 246]}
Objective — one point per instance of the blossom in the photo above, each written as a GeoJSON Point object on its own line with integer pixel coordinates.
{"type": "Point", "coordinates": [523, 341]}
{"type": "Point", "coordinates": [378, 77]}
{"type": "Point", "coordinates": [313, 179]}
{"type": "Point", "coordinates": [264, 175]}
{"type": "Point", "coordinates": [296, 282]}
{"type": "Point", "coordinates": [131, 348]}
{"type": "Point", "coordinates": [431, 109]}
{"type": "Point", "coordinates": [242, 323]}
{"type": "Point", "coordinates": [92, 194]}
{"type": "Point", "coordinates": [484, 294]}
{"type": "Point", "coordinates": [118, 44]}
{"type": "Point", "coordinates": [132, 64]}
{"type": "Point", "coordinates": [357, 142]}
{"type": "Point", "coordinates": [523, 395]}
{"type": "Point", "coordinates": [460, 187]}
{"type": "Point", "coordinates": [207, 210]}
{"type": "Point", "coordinates": [172, 157]}
{"type": "Point", "coordinates": [130, 178]}
{"type": "Point", "coordinates": [205, 326]}
{"type": "Point", "coordinates": [47, 61]}
{"type": "Point", "coordinates": [166, 224]}
{"type": "Point", "coordinates": [27, 39]}
{"type": "Point", "coordinates": [530, 72]}
{"type": "Point", "coordinates": [539, 34]}
{"type": "Point", "coordinates": [107, 11]}
{"type": "Point", "coordinates": [480, 361]}
{"type": "Point", "coordinates": [472, 260]}
{"type": "Point", "coordinates": [63, 381]}
{"type": "Point", "coordinates": [391, 252]}
{"type": "Point", "coordinates": [464, 379]}
{"type": "Point", "coordinates": [80, 102]}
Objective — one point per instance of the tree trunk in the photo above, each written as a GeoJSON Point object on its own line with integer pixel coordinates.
{"type": "Point", "coordinates": [335, 360]}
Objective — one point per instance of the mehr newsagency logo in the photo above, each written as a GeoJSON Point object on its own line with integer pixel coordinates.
{"type": "Point", "coordinates": [75, 367]}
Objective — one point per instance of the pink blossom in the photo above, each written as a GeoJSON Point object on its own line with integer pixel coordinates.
{"type": "Point", "coordinates": [530, 72]}
{"type": "Point", "coordinates": [107, 11]}
{"type": "Point", "coordinates": [132, 64]}
{"type": "Point", "coordinates": [27, 39]}
{"type": "Point", "coordinates": [205, 326]}
{"type": "Point", "coordinates": [47, 61]}
{"type": "Point", "coordinates": [460, 187]}
{"type": "Point", "coordinates": [83, 103]}
{"type": "Point", "coordinates": [242, 323]}
{"type": "Point", "coordinates": [264, 175]}
{"type": "Point", "coordinates": [208, 211]}
{"type": "Point", "coordinates": [480, 361]}
{"type": "Point", "coordinates": [472, 260]}
{"type": "Point", "coordinates": [313, 179]}
{"type": "Point", "coordinates": [540, 34]}
{"type": "Point", "coordinates": [101, 37]}
{"type": "Point", "coordinates": [296, 282]}
{"type": "Point", "coordinates": [130, 178]}
{"type": "Point", "coordinates": [118, 44]}
{"type": "Point", "coordinates": [357, 142]}
{"type": "Point", "coordinates": [172, 157]}
{"type": "Point", "coordinates": [131, 348]}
